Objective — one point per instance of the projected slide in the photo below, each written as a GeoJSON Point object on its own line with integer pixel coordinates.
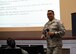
{"type": "Point", "coordinates": [26, 13]}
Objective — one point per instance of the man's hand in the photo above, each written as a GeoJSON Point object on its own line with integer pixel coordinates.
{"type": "Point", "coordinates": [42, 36]}
{"type": "Point", "coordinates": [50, 33]}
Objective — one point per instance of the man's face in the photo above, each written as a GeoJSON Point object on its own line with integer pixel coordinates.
{"type": "Point", "coordinates": [50, 16]}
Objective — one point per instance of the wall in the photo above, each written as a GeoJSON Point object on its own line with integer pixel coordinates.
{"type": "Point", "coordinates": [66, 8]}
{"type": "Point", "coordinates": [69, 44]}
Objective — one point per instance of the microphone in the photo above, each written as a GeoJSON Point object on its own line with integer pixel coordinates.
{"type": "Point", "coordinates": [45, 32]}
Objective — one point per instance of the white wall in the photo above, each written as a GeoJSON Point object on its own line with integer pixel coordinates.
{"type": "Point", "coordinates": [71, 44]}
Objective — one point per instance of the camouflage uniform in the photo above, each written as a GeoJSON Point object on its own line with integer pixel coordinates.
{"type": "Point", "coordinates": [54, 43]}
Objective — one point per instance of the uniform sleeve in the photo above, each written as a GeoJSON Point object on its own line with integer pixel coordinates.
{"type": "Point", "coordinates": [44, 30]}
{"type": "Point", "coordinates": [61, 29]}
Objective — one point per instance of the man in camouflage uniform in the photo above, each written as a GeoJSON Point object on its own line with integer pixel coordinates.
{"type": "Point", "coordinates": [53, 32]}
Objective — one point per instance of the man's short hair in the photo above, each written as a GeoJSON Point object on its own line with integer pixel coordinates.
{"type": "Point", "coordinates": [11, 42]}
{"type": "Point", "coordinates": [50, 11]}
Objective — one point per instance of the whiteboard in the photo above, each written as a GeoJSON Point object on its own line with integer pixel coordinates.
{"type": "Point", "coordinates": [27, 13]}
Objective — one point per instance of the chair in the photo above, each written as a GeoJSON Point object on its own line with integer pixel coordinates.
{"type": "Point", "coordinates": [3, 46]}
{"type": "Point", "coordinates": [36, 49]}
{"type": "Point", "coordinates": [25, 47]}
{"type": "Point", "coordinates": [10, 51]}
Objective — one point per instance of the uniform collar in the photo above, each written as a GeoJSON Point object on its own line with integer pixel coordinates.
{"type": "Point", "coordinates": [52, 21]}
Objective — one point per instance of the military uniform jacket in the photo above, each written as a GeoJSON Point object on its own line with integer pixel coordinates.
{"type": "Point", "coordinates": [57, 27]}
